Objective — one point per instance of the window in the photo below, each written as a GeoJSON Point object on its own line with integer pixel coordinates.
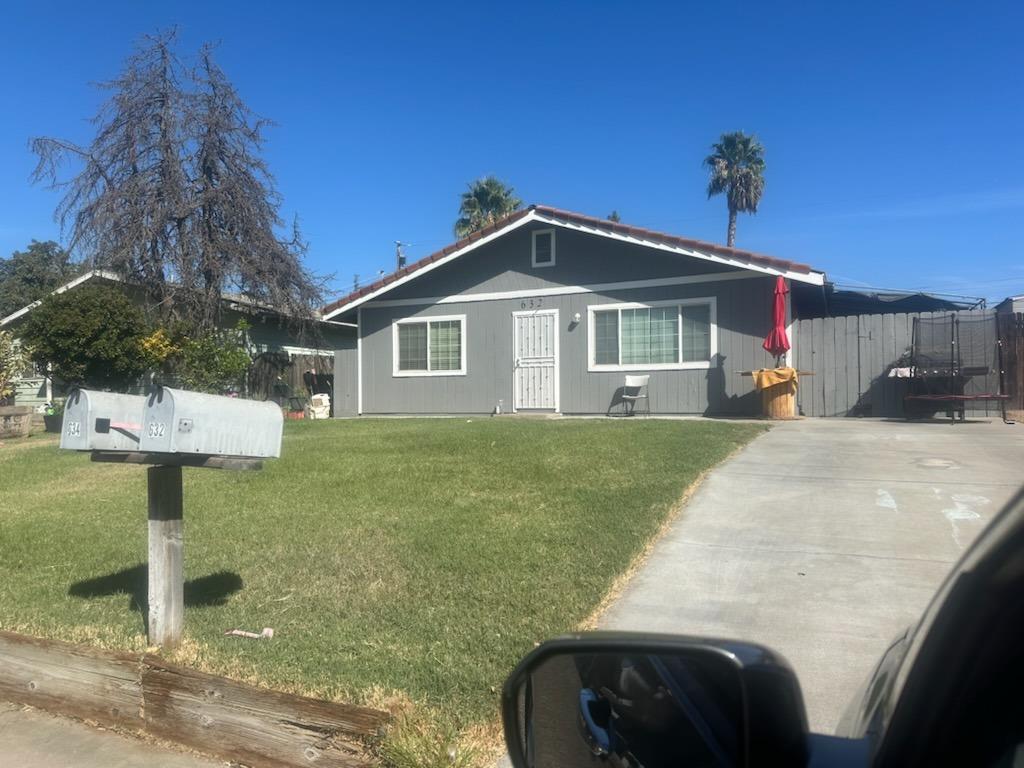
{"type": "Point", "coordinates": [430, 347]}
{"type": "Point", "coordinates": [544, 248]}
{"type": "Point", "coordinates": [676, 334]}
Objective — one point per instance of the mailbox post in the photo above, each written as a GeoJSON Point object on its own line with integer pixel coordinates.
{"type": "Point", "coordinates": [168, 430]}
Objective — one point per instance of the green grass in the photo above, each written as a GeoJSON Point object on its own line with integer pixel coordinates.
{"type": "Point", "coordinates": [417, 556]}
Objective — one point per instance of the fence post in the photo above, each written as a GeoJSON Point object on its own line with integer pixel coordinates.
{"type": "Point", "coordinates": [166, 563]}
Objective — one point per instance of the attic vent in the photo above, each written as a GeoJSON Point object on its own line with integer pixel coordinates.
{"type": "Point", "coordinates": [544, 248]}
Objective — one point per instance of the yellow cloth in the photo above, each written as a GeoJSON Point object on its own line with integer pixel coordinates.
{"type": "Point", "coordinates": [770, 377]}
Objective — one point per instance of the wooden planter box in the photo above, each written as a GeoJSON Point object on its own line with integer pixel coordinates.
{"type": "Point", "coordinates": [15, 421]}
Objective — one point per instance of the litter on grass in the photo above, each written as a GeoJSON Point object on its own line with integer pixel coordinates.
{"type": "Point", "coordinates": [266, 634]}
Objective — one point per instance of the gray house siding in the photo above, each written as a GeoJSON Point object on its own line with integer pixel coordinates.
{"type": "Point", "coordinates": [346, 378]}
{"type": "Point", "coordinates": [743, 312]}
{"type": "Point", "coordinates": [580, 259]}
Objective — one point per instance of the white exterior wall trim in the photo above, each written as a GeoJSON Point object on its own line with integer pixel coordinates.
{"type": "Point", "coordinates": [790, 353]}
{"type": "Point", "coordinates": [359, 362]}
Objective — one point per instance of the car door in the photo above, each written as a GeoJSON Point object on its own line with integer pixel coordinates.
{"type": "Point", "coordinates": [948, 692]}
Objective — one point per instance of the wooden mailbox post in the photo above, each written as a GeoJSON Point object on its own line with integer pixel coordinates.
{"type": "Point", "coordinates": [169, 430]}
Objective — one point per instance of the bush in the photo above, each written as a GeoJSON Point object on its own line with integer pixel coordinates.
{"type": "Point", "coordinates": [89, 336]}
{"type": "Point", "coordinates": [214, 362]}
{"type": "Point", "coordinates": [13, 360]}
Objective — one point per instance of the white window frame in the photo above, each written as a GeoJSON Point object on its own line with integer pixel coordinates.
{"type": "Point", "coordinates": [709, 301]}
{"type": "Point", "coordinates": [396, 322]}
{"type": "Point", "coordinates": [533, 243]}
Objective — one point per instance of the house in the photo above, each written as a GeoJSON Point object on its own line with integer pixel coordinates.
{"type": "Point", "coordinates": [548, 311]}
{"type": "Point", "coordinates": [1011, 305]}
{"type": "Point", "coordinates": [279, 352]}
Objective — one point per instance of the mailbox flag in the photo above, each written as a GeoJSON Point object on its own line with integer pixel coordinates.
{"type": "Point", "coordinates": [776, 342]}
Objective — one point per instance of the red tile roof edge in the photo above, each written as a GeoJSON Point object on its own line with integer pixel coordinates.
{"type": "Point", "coordinates": [577, 218]}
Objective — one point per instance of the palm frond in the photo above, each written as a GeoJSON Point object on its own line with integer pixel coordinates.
{"type": "Point", "coordinates": [484, 202]}
{"type": "Point", "coordinates": [736, 169]}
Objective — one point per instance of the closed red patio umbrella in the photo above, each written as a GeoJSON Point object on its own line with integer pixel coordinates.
{"type": "Point", "coordinates": [776, 342]}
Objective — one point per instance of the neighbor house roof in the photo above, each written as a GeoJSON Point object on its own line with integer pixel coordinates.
{"type": "Point", "coordinates": [82, 278]}
{"type": "Point", "coordinates": [735, 257]}
{"type": "Point", "coordinates": [233, 300]}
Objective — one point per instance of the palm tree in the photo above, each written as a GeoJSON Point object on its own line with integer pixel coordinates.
{"type": "Point", "coordinates": [486, 201]}
{"type": "Point", "coordinates": [736, 164]}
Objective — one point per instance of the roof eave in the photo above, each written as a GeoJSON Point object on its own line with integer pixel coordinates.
{"type": "Point", "coordinates": [717, 254]}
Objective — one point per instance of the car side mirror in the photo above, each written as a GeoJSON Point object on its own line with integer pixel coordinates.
{"type": "Point", "coordinates": [630, 699]}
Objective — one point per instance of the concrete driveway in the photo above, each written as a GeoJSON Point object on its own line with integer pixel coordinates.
{"type": "Point", "coordinates": [823, 539]}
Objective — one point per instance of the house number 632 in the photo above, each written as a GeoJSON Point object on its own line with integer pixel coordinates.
{"type": "Point", "coordinates": [156, 429]}
{"type": "Point", "coordinates": [531, 303]}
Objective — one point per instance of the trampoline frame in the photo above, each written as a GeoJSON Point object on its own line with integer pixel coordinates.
{"type": "Point", "coordinates": [955, 377]}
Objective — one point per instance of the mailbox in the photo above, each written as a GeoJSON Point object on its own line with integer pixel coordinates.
{"type": "Point", "coordinates": [176, 421]}
{"type": "Point", "coordinates": [101, 421]}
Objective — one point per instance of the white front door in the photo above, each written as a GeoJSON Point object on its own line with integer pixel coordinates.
{"type": "Point", "coordinates": [535, 346]}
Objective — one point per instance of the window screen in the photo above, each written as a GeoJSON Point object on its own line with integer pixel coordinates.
{"type": "Point", "coordinates": [433, 345]}
{"type": "Point", "coordinates": [661, 335]}
{"type": "Point", "coordinates": [542, 248]}
{"type": "Point", "coordinates": [696, 333]}
{"type": "Point", "coordinates": [606, 337]}
{"type": "Point", "coordinates": [650, 335]}
{"type": "Point", "coordinates": [446, 345]}
{"type": "Point", "coordinates": [412, 347]}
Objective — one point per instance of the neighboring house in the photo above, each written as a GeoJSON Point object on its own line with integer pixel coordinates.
{"type": "Point", "coordinates": [548, 311]}
{"type": "Point", "coordinates": [277, 351]}
{"type": "Point", "coordinates": [1011, 304]}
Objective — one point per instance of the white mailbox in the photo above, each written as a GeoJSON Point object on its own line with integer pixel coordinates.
{"type": "Point", "coordinates": [101, 421]}
{"type": "Point", "coordinates": [176, 421]}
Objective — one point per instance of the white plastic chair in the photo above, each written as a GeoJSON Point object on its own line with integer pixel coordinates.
{"type": "Point", "coordinates": [634, 391]}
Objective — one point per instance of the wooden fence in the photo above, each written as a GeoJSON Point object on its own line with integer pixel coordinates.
{"type": "Point", "coordinates": [851, 358]}
{"type": "Point", "coordinates": [212, 714]}
{"type": "Point", "coordinates": [1011, 331]}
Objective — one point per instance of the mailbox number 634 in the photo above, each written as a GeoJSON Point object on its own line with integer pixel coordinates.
{"type": "Point", "coordinates": [156, 429]}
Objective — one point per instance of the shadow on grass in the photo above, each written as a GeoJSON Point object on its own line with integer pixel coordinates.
{"type": "Point", "coordinates": [204, 591]}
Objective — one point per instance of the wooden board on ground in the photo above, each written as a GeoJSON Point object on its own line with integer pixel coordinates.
{"type": "Point", "coordinates": [212, 714]}
{"type": "Point", "coordinates": [240, 722]}
{"type": "Point", "coordinates": [71, 680]}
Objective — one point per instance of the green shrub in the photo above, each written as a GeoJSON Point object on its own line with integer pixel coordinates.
{"type": "Point", "coordinates": [213, 362]}
{"type": "Point", "coordinates": [13, 360]}
{"type": "Point", "coordinates": [90, 336]}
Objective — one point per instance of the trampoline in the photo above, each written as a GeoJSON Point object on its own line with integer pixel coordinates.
{"type": "Point", "coordinates": [955, 360]}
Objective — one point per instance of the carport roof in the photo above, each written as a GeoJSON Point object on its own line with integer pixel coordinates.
{"type": "Point", "coordinates": [735, 257]}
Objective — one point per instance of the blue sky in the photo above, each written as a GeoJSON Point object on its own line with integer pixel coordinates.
{"type": "Point", "coordinates": [892, 129]}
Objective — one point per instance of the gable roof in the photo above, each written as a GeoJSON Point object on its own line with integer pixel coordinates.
{"type": "Point", "coordinates": [721, 254]}
{"type": "Point", "coordinates": [82, 278]}
{"type": "Point", "coordinates": [233, 301]}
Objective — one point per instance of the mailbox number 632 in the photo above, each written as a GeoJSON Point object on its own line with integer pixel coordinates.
{"type": "Point", "coordinates": [156, 429]}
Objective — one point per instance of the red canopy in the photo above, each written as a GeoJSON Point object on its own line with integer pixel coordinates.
{"type": "Point", "coordinates": [776, 342]}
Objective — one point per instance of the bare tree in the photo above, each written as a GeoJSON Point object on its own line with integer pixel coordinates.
{"type": "Point", "coordinates": [173, 192]}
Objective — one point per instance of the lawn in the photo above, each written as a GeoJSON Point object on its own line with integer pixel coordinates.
{"type": "Point", "coordinates": [419, 557]}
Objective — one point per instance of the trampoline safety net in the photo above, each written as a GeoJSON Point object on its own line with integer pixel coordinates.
{"type": "Point", "coordinates": [957, 355]}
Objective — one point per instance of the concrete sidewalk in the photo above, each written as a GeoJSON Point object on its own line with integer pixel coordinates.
{"type": "Point", "coordinates": [33, 739]}
{"type": "Point", "coordinates": [823, 539]}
